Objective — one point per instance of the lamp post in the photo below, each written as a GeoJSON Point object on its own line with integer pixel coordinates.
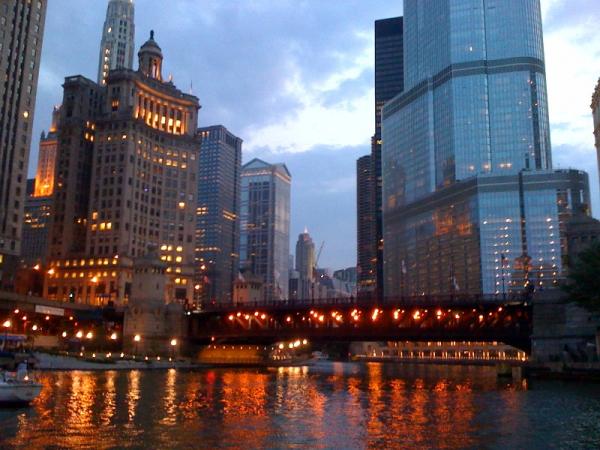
{"type": "Point", "coordinates": [7, 324]}
{"type": "Point", "coordinates": [173, 345]}
{"type": "Point", "coordinates": [137, 338]}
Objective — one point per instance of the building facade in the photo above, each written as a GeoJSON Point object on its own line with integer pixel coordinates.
{"type": "Point", "coordinates": [265, 225]}
{"type": "Point", "coordinates": [126, 182]}
{"type": "Point", "coordinates": [44, 175]}
{"type": "Point", "coordinates": [217, 214]}
{"type": "Point", "coordinates": [117, 47]}
{"type": "Point", "coordinates": [471, 204]}
{"type": "Point", "coordinates": [21, 34]}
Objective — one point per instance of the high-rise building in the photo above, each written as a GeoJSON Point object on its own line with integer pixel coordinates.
{"type": "Point", "coordinates": [265, 225]}
{"type": "Point", "coordinates": [365, 227]}
{"type": "Point", "coordinates": [471, 203]}
{"type": "Point", "coordinates": [21, 33]}
{"type": "Point", "coordinates": [305, 264]}
{"type": "Point", "coordinates": [38, 204]}
{"type": "Point", "coordinates": [44, 176]}
{"type": "Point", "coordinates": [596, 116]}
{"type": "Point", "coordinates": [217, 214]}
{"type": "Point", "coordinates": [117, 46]}
{"type": "Point", "coordinates": [126, 181]}
{"type": "Point", "coordinates": [389, 82]}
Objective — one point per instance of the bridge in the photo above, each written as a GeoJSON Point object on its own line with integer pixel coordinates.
{"type": "Point", "coordinates": [422, 318]}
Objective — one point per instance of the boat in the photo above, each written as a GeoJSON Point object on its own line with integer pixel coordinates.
{"type": "Point", "coordinates": [18, 390]}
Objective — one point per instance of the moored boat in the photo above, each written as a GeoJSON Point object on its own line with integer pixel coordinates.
{"type": "Point", "coordinates": [15, 391]}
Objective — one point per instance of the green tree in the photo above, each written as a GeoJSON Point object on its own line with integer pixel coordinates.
{"type": "Point", "coordinates": [583, 282]}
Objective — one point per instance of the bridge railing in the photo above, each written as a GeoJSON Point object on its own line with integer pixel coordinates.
{"type": "Point", "coordinates": [361, 302]}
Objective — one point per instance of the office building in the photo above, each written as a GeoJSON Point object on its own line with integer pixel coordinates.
{"type": "Point", "coordinates": [21, 34]}
{"type": "Point", "coordinates": [117, 47]}
{"type": "Point", "coordinates": [217, 213]}
{"type": "Point", "coordinates": [471, 203]}
{"type": "Point", "coordinates": [126, 182]}
{"type": "Point", "coordinates": [265, 225]}
{"type": "Point", "coordinates": [389, 82]}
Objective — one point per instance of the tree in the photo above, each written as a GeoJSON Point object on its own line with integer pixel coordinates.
{"type": "Point", "coordinates": [583, 282]}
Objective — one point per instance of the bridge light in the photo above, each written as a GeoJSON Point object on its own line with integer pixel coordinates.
{"type": "Point", "coordinates": [396, 315]}
{"type": "Point", "coordinates": [416, 315]}
{"type": "Point", "coordinates": [457, 316]}
{"type": "Point", "coordinates": [113, 337]}
{"type": "Point", "coordinates": [291, 345]}
{"type": "Point", "coordinates": [90, 335]}
{"type": "Point", "coordinates": [297, 343]}
{"type": "Point", "coordinates": [375, 314]}
{"type": "Point", "coordinates": [255, 313]}
{"type": "Point", "coordinates": [480, 317]}
{"type": "Point", "coordinates": [238, 314]}
{"type": "Point", "coordinates": [438, 313]}
{"type": "Point", "coordinates": [281, 346]}
{"type": "Point", "coordinates": [263, 316]}
{"type": "Point", "coordinates": [288, 319]}
{"type": "Point", "coordinates": [79, 334]}
{"type": "Point", "coordinates": [500, 309]}
{"type": "Point", "coordinates": [64, 334]}
{"type": "Point", "coordinates": [231, 317]}
{"type": "Point", "coordinates": [246, 316]}
{"type": "Point", "coordinates": [321, 318]}
{"type": "Point", "coordinates": [304, 342]}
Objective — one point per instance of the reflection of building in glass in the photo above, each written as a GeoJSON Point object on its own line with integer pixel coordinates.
{"type": "Point", "coordinates": [217, 214]}
{"type": "Point", "coordinates": [471, 204]}
{"type": "Point", "coordinates": [265, 225]}
{"type": "Point", "coordinates": [118, 35]}
{"type": "Point", "coordinates": [21, 35]}
{"type": "Point", "coordinates": [126, 183]}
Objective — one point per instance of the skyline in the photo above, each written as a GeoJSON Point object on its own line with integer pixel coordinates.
{"type": "Point", "coordinates": [313, 109]}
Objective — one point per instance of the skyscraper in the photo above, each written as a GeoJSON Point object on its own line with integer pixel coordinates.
{"type": "Point", "coordinates": [365, 227]}
{"type": "Point", "coordinates": [118, 38]}
{"type": "Point", "coordinates": [265, 225]}
{"type": "Point", "coordinates": [471, 204]}
{"type": "Point", "coordinates": [44, 176]}
{"type": "Point", "coordinates": [126, 183]}
{"type": "Point", "coordinates": [21, 34]}
{"type": "Point", "coordinates": [217, 214]}
{"type": "Point", "coordinates": [389, 82]}
{"type": "Point", "coordinates": [305, 264]}
{"type": "Point", "coordinates": [38, 204]}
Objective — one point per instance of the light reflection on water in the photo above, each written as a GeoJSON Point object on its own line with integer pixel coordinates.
{"type": "Point", "coordinates": [330, 405]}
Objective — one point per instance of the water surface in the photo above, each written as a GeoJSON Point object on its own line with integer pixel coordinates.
{"type": "Point", "coordinates": [330, 405]}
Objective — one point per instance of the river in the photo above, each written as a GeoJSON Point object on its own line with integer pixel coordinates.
{"type": "Point", "coordinates": [329, 405]}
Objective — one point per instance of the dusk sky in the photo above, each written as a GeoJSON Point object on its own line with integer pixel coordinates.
{"type": "Point", "coordinates": [294, 80]}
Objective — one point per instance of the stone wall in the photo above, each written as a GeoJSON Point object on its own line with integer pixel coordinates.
{"type": "Point", "coordinates": [563, 331]}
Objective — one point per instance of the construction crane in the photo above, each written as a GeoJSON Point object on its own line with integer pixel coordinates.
{"type": "Point", "coordinates": [319, 256]}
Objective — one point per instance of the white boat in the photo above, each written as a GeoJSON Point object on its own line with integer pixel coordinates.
{"type": "Point", "coordinates": [18, 391]}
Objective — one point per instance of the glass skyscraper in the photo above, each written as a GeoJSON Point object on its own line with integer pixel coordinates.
{"type": "Point", "coordinates": [265, 225]}
{"type": "Point", "coordinates": [217, 213]}
{"type": "Point", "coordinates": [471, 204]}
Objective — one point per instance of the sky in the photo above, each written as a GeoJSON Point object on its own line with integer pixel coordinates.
{"type": "Point", "coordinates": [294, 80]}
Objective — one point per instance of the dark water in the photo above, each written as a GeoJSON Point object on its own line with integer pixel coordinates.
{"type": "Point", "coordinates": [331, 405]}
